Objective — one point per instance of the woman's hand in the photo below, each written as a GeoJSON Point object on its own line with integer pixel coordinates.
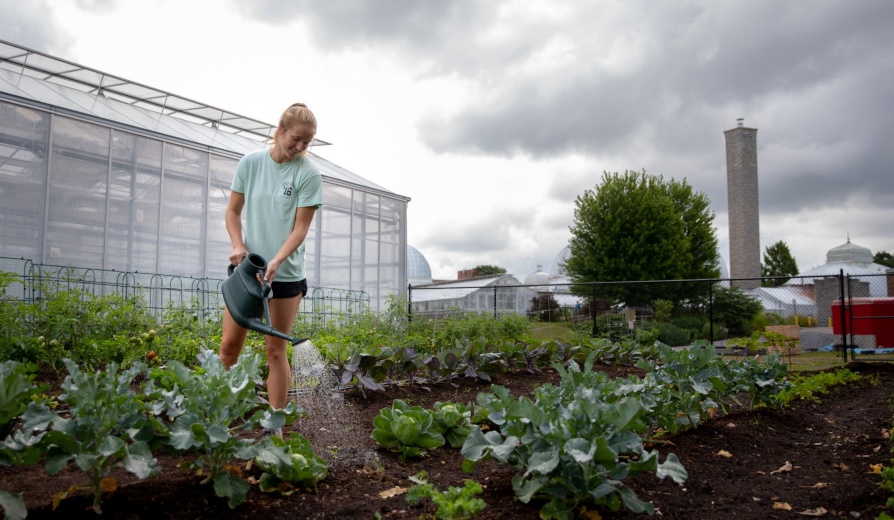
{"type": "Point", "coordinates": [238, 255]}
{"type": "Point", "coordinates": [272, 267]}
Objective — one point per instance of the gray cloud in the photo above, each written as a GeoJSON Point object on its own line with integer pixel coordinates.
{"type": "Point", "coordinates": [26, 24]}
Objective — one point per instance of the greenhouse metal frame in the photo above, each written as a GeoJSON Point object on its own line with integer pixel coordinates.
{"type": "Point", "coordinates": [100, 172]}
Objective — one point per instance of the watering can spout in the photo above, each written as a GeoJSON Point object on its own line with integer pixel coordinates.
{"type": "Point", "coordinates": [245, 293]}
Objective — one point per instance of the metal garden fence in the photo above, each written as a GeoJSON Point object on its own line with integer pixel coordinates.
{"type": "Point", "coordinates": [838, 315]}
{"type": "Point", "coordinates": [160, 292]}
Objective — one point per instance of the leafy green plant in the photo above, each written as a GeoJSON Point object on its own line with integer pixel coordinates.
{"type": "Point", "coordinates": [209, 407]}
{"type": "Point", "coordinates": [288, 464]}
{"type": "Point", "coordinates": [809, 388]}
{"type": "Point", "coordinates": [108, 425]}
{"type": "Point", "coordinates": [16, 388]}
{"type": "Point", "coordinates": [456, 503]}
{"type": "Point", "coordinates": [442, 366]}
{"type": "Point", "coordinates": [572, 445]}
{"type": "Point", "coordinates": [476, 361]}
{"type": "Point", "coordinates": [408, 430]}
{"type": "Point", "coordinates": [453, 421]}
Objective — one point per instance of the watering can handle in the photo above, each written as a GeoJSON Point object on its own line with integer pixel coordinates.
{"type": "Point", "coordinates": [268, 289]}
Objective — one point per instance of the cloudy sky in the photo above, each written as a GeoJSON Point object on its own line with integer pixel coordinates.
{"type": "Point", "coordinates": [492, 116]}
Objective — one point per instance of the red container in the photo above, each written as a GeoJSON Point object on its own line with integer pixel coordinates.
{"type": "Point", "coordinates": [867, 316]}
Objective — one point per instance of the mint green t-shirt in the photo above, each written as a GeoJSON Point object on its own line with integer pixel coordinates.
{"type": "Point", "coordinates": [273, 193]}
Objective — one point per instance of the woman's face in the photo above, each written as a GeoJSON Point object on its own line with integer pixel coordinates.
{"type": "Point", "coordinates": [294, 141]}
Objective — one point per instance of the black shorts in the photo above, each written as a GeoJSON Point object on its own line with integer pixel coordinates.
{"type": "Point", "coordinates": [288, 289]}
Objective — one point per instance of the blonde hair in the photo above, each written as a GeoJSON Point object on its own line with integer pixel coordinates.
{"type": "Point", "coordinates": [296, 114]}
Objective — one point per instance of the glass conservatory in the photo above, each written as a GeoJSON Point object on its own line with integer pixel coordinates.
{"type": "Point", "coordinates": [99, 172]}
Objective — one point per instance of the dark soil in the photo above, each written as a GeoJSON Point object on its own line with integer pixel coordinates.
{"type": "Point", "coordinates": [830, 446]}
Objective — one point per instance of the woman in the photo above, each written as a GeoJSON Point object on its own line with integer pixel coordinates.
{"type": "Point", "coordinates": [279, 189]}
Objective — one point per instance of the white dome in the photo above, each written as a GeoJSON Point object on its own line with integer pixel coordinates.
{"type": "Point", "coordinates": [557, 271]}
{"type": "Point", "coordinates": [538, 277]}
{"type": "Point", "coordinates": [418, 270]}
{"type": "Point", "coordinates": [849, 253]}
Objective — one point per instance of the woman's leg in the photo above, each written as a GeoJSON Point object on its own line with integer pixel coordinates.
{"type": "Point", "coordinates": [282, 316]}
{"type": "Point", "coordinates": [232, 340]}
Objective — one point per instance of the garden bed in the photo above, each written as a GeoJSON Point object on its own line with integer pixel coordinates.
{"type": "Point", "coordinates": [830, 446]}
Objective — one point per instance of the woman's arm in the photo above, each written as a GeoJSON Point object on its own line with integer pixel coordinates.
{"type": "Point", "coordinates": [303, 218]}
{"type": "Point", "coordinates": [233, 219]}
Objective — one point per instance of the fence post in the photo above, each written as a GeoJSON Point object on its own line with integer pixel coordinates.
{"type": "Point", "coordinates": [495, 302]}
{"type": "Point", "coordinates": [593, 308]}
{"type": "Point", "coordinates": [409, 303]}
{"type": "Point", "coordinates": [843, 319]}
{"type": "Point", "coordinates": [711, 311]}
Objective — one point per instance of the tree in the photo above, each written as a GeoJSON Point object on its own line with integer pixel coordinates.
{"type": "Point", "coordinates": [733, 309]}
{"type": "Point", "coordinates": [545, 307]}
{"type": "Point", "coordinates": [778, 261]}
{"type": "Point", "coordinates": [635, 227]}
{"type": "Point", "coordinates": [883, 258]}
{"type": "Point", "coordinates": [487, 270]}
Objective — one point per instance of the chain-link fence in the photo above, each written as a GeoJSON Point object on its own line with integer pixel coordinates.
{"type": "Point", "coordinates": [159, 292]}
{"type": "Point", "coordinates": [828, 319]}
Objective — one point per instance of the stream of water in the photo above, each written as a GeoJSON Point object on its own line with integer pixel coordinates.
{"type": "Point", "coordinates": [330, 422]}
{"type": "Point", "coordinates": [310, 375]}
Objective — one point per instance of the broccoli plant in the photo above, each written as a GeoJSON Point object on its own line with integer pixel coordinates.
{"type": "Point", "coordinates": [108, 425]}
{"type": "Point", "coordinates": [209, 408]}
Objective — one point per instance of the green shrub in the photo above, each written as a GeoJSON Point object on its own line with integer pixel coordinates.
{"type": "Point", "coordinates": [672, 335]}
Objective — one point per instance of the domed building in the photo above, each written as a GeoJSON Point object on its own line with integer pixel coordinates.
{"type": "Point", "coordinates": [538, 277]}
{"type": "Point", "coordinates": [418, 269]}
{"type": "Point", "coordinates": [552, 282]}
{"type": "Point", "coordinates": [557, 272]}
{"type": "Point", "coordinates": [852, 259]}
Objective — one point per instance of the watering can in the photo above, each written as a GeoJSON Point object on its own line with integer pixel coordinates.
{"type": "Point", "coordinates": [245, 293]}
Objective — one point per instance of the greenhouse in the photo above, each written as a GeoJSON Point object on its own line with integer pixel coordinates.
{"type": "Point", "coordinates": [98, 172]}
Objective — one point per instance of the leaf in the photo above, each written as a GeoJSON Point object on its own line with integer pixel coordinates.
{"type": "Point", "coordinates": [62, 495]}
{"type": "Point", "coordinates": [479, 445]}
{"type": "Point", "coordinates": [782, 505]}
{"type": "Point", "coordinates": [725, 454]}
{"type": "Point", "coordinates": [586, 514]}
{"type": "Point", "coordinates": [784, 468]}
{"type": "Point", "coordinates": [13, 505]}
{"type": "Point", "coordinates": [108, 485]}
{"type": "Point", "coordinates": [876, 468]}
{"type": "Point", "coordinates": [396, 490]}
{"type": "Point", "coordinates": [819, 511]}
{"type": "Point", "coordinates": [580, 450]}
{"type": "Point", "coordinates": [634, 503]}
{"type": "Point", "coordinates": [671, 467]}
{"type": "Point", "coordinates": [557, 509]}
{"type": "Point", "coordinates": [139, 460]}
{"type": "Point", "coordinates": [232, 487]}
{"type": "Point", "coordinates": [543, 462]}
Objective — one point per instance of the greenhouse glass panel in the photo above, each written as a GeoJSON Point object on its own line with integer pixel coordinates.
{"type": "Point", "coordinates": [218, 240]}
{"type": "Point", "coordinates": [335, 239]}
{"type": "Point", "coordinates": [392, 247]}
{"type": "Point", "coordinates": [365, 240]}
{"type": "Point", "coordinates": [24, 134]}
{"type": "Point", "coordinates": [183, 195]}
{"type": "Point", "coordinates": [78, 185]}
{"type": "Point", "coordinates": [134, 191]}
